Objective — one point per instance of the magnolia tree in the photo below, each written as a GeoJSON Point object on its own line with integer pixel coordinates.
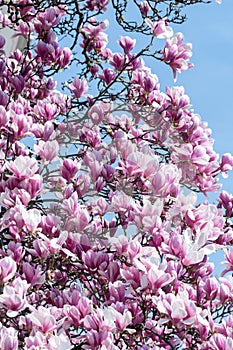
{"type": "Point", "coordinates": [103, 244]}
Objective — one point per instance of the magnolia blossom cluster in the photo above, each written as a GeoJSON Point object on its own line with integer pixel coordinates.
{"type": "Point", "coordinates": [104, 243]}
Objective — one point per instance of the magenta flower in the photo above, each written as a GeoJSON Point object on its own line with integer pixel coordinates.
{"type": "Point", "coordinates": [69, 169]}
{"type": "Point", "coordinates": [118, 61]}
{"type": "Point", "coordinates": [78, 87]}
{"type": "Point", "coordinates": [17, 83]}
{"type": "Point", "coordinates": [48, 19]}
{"type": "Point", "coordinates": [226, 163]}
{"type": "Point", "coordinates": [228, 254]}
{"type": "Point", "coordinates": [95, 5]}
{"type": "Point", "coordinates": [108, 75]}
{"type": "Point", "coordinates": [127, 44]}
{"type": "Point", "coordinates": [221, 341]}
{"type": "Point", "coordinates": [226, 201]}
{"type": "Point", "coordinates": [64, 57]}
{"type": "Point", "coordinates": [176, 53]}
{"type": "Point", "coordinates": [144, 8]}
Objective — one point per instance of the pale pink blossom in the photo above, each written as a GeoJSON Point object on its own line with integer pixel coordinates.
{"type": "Point", "coordinates": [8, 269]}
{"type": "Point", "coordinates": [43, 320]}
{"type": "Point", "coordinates": [13, 297]}
{"type": "Point", "coordinates": [60, 341]}
{"type": "Point", "coordinates": [47, 150]}
{"type": "Point", "coordinates": [23, 167]}
{"type": "Point", "coordinates": [8, 338]}
{"type": "Point", "coordinates": [160, 29]}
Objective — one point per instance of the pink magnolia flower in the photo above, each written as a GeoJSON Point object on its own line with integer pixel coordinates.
{"type": "Point", "coordinates": [48, 19]}
{"type": "Point", "coordinates": [47, 150]}
{"type": "Point", "coordinates": [226, 201]}
{"type": "Point", "coordinates": [144, 8]}
{"type": "Point", "coordinates": [4, 99]}
{"type": "Point", "coordinates": [221, 341]}
{"type": "Point", "coordinates": [15, 250]}
{"type": "Point", "coordinates": [156, 278]}
{"type": "Point", "coordinates": [23, 167]}
{"type": "Point", "coordinates": [211, 287]}
{"type": "Point", "coordinates": [99, 112]}
{"type": "Point", "coordinates": [228, 254]}
{"type": "Point", "coordinates": [108, 75]}
{"type": "Point", "coordinates": [82, 184]}
{"type": "Point", "coordinates": [20, 221]}
{"type": "Point", "coordinates": [8, 269]}
{"type": "Point", "coordinates": [95, 5]}
{"type": "Point", "coordinates": [96, 339]}
{"type": "Point", "coordinates": [34, 276]}
{"type": "Point", "coordinates": [118, 61]}
{"type": "Point", "coordinates": [69, 169]}
{"type": "Point", "coordinates": [8, 338]}
{"type": "Point", "coordinates": [50, 246]}
{"type": "Point", "coordinates": [93, 160]}
{"type": "Point", "coordinates": [180, 309]}
{"type": "Point", "coordinates": [21, 126]}
{"type": "Point", "coordinates": [97, 40]}
{"type": "Point", "coordinates": [94, 321]}
{"type": "Point", "coordinates": [43, 320]}
{"type": "Point", "coordinates": [24, 29]}
{"type": "Point", "coordinates": [64, 57]}
{"type": "Point", "coordinates": [13, 297]}
{"type": "Point", "coordinates": [32, 186]}
{"type": "Point", "coordinates": [10, 197]}
{"type": "Point", "coordinates": [4, 117]}
{"type": "Point", "coordinates": [226, 163]}
{"type": "Point", "coordinates": [176, 53]}
{"type": "Point", "coordinates": [226, 289]}
{"type": "Point", "coordinates": [37, 339]}
{"type": "Point", "coordinates": [79, 87]}
{"type": "Point", "coordinates": [160, 29]}
{"type": "Point", "coordinates": [127, 44]}
{"type": "Point", "coordinates": [60, 341]}
{"type": "Point", "coordinates": [18, 83]}
{"type": "Point", "coordinates": [48, 111]}
{"type": "Point", "coordinates": [78, 215]}
{"type": "Point", "coordinates": [117, 320]}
